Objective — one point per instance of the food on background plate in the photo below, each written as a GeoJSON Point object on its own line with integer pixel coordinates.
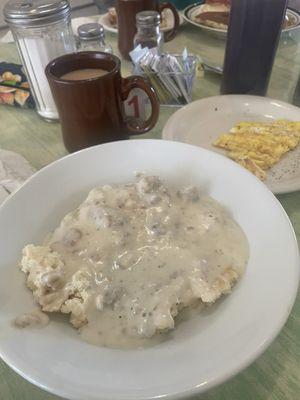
{"type": "Point", "coordinates": [258, 146]}
{"type": "Point", "coordinates": [215, 14]}
{"type": "Point", "coordinates": [112, 16]}
{"type": "Point", "coordinates": [131, 257]}
{"type": "Point", "coordinates": [289, 21]}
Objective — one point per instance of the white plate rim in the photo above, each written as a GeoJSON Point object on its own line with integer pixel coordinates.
{"type": "Point", "coordinates": [213, 382]}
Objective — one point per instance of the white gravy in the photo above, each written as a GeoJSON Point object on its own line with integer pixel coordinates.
{"type": "Point", "coordinates": [145, 252]}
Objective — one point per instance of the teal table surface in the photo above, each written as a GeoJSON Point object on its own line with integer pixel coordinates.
{"type": "Point", "coordinates": [276, 374]}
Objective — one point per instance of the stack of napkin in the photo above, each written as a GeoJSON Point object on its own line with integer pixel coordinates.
{"type": "Point", "coordinates": [14, 170]}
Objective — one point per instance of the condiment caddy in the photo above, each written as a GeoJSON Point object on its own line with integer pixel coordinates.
{"type": "Point", "coordinates": [172, 75]}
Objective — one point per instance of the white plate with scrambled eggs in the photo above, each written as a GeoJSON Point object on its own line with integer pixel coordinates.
{"type": "Point", "coordinates": [260, 133]}
{"type": "Point", "coordinates": [203, 350]}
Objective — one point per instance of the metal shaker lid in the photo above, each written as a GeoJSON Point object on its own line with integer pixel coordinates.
{"type": "Point", "coordinates": [147, 18]}
{"type": "Point", "coordinates": [90, 31]}
{"type": "Point", "coordinates": [35, 12]}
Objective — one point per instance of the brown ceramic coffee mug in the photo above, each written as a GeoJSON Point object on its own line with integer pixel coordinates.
{"type": "Point", "coordinates": [91, 110]}
{"type": "Point", "coordinates": [127, 10]}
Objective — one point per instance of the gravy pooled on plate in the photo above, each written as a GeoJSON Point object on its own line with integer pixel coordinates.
{"type": "Point", "coordinates": [132, 256]}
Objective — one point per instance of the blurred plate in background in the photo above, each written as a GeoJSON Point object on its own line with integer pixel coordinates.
{"type": "Point", "coordinates": [191, 12]}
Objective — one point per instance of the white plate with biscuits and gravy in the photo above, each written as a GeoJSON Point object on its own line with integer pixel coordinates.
{"type": "Point", "coordinates": [144, 236]}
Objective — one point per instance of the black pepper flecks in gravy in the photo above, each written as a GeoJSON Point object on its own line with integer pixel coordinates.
{"type": "Point", "coordinates": [132, 256]}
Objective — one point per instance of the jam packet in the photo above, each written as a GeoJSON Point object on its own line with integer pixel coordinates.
{"type": "Point", "coordinates": [14, 87]}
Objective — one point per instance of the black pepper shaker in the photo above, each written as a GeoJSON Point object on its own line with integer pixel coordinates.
{"type": "Point", "coordinates": [148, 32]}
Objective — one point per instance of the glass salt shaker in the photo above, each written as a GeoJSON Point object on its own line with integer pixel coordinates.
{"type": "Point", "coordinates": [92, 37]}
{"type": "Point", "coordinates": [148, 32]}
{"type": "Point", "coordinates": [42, 31]}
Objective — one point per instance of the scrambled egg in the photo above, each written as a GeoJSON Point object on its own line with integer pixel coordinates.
{"type": "Point", "coordinates": [258, 146]}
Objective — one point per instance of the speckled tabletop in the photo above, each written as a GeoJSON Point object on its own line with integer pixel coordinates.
{"type": "Point", "coordinates": [276, 374]}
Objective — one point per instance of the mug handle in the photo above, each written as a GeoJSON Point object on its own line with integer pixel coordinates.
{"type": "Point", "coordinates": [169, 35]}
{"type": "Point", "coordinates": [132, 82]}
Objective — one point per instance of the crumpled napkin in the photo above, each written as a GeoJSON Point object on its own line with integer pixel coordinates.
{"type": "Point", "coordinates": [76, 22]}
{"type": "Point", "coordinates": [14, 170]}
